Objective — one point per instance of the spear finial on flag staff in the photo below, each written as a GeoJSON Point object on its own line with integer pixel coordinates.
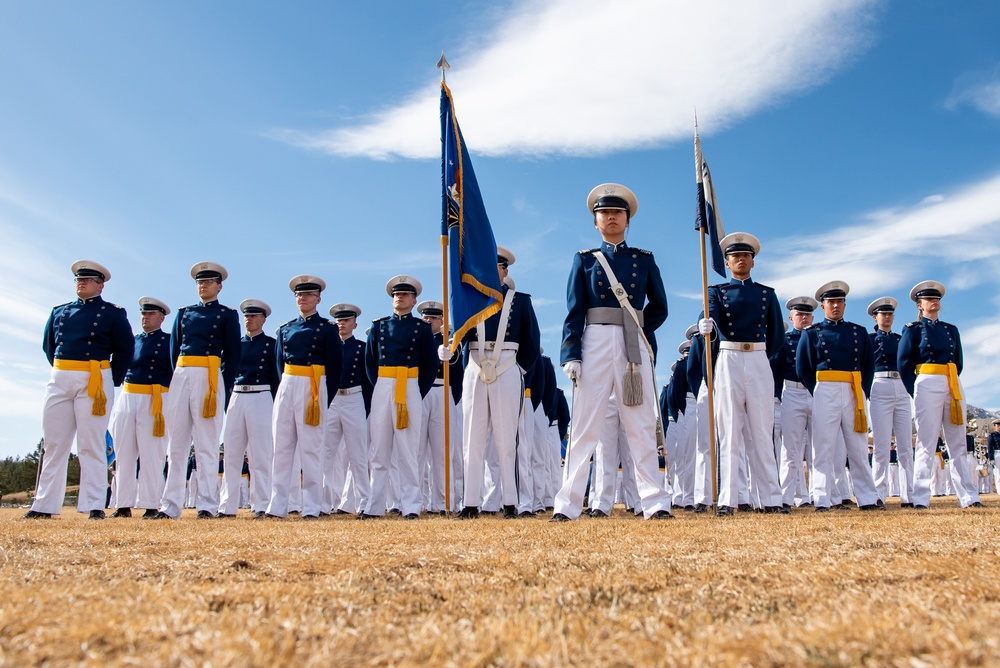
{"type": "Point", "coordinates": [443, 65]}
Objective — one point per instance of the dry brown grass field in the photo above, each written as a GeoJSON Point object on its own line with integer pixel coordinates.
{"type": "Point", "coordinates": [899, 588]}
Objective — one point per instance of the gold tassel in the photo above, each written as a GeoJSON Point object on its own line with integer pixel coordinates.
{"type": "Point", "coordinates": [402, 417]}
{"type": "Point", "coordinates": [158, 428]}
{"type": "Point", "coordinates": [956, 412]}
{"type": "Point", "coordinates": [860, 421]}
{"type": "Point", "coordinates": [208, 410]}
{"type": "Point", "coordinates": [312, 413]}
{"type": "Point", "coordinates": [100, 406]}
{"type": "Point", "coordinates": [632, 386]}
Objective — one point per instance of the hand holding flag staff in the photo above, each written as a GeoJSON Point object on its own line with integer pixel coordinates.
{"type": "Point", "coordinates": [466, 231]}
{"type": "Point", "coordinates": [708, 222]}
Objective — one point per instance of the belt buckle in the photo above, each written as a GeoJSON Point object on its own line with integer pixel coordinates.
{"type": "Point", "coordinates": [490, 345]}
{"type": "Point", "coordinates": [746, 347]}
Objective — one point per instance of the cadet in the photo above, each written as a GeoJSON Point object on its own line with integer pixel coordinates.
{"type": "Point", "coordinates": [930, 362]}
{"type": "Point", "coordinates": [750, 333]}
{"type": "Point", "coordinates": [89, 344]}
{"type": "Point", "coordinates": [401, 362]}
{"type": "Point", "coordinates": [309, 355]}
{"type": "Point", "coordinates": [205, 352]}
{"type": "Point", "coordinates": [347, 422]}
{"type": "Point", "coordinates": [137, 426]}
{"type": "Point", "coordinates": [796, 404]}
{"type": "Point", "coordinates": [835, 362]}
{"type": "Point", "coordinates": [498, 353]}
{"type": "Point", "coordinates": [609, 347]}
{"type": "Point", "coordinates": [248, 420]}
{"type": "Point", "coordinates": [891, 413]}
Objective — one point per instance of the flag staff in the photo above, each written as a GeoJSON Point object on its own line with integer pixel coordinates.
{"type": "Point", "coordinates": [703, 214]}
{"type": "Point", "coordinates": [443, 66]}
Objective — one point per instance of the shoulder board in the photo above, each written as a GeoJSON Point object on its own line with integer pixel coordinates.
{"type": "Point", "coordinates": [588, 251]}
{"type": "Point", "coordinates": [286, 324]}
{"type": "Point", "coordinates": [380, 319]}
{"type": "Point", "coordinates": [643, 251]}
{"type": "Point", "coordinates": [765, 287]}
{"type": "Point", "coordinates": [62, 306]}
{"type": "Point", "coordinates": [522, 294]}
{"type": "Point", "coordinates": [911, 324]}
{"type": "Point", "coordinates": [813, 326]}
{"type": "Point", "coordinates": [225, 308]}
{"type": "Point", "coordinates": [115, 305]}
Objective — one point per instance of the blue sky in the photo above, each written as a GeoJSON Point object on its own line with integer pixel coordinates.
{"type": "Point", "coordinates": [859, 140]}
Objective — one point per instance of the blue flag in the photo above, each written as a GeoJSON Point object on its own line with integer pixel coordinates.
{"type": "Point", "coordinates": [472, 250]}
{"type": "Point", "coordinates": [707, 216]}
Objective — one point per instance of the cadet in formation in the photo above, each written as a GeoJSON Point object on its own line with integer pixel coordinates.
{"type": "Point", "coordinates": [89, 344]}
{"type": "Point", "coordinates": [138, 428]}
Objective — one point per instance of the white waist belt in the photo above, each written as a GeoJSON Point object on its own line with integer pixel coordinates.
{"type": "Point", "coordinates": [349, 390]}
{"type": "Point", "coordinates": [792, 383]}
{"type": "Point", "coordinates": [244, 389]}
{"type": "Point", "coordinates": [742, 347]}
{"type": "Point", "coordinates": [887, 374]}
{"type": "Point", "coordinates": [491, 345]}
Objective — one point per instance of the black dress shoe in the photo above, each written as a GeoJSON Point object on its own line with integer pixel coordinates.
{"type": "Point", "coordinates": [772, 510]}
{"type": "Point", "coordinates": [338, 511]}
{"type": "Point", "coordinates": [122, 512]}
{"type": "Point", "coordinates": [310, 517]}
{"type": "Point", "coordinates": [526, 513]}
{"type": "Point", "coordinates": [822, 509]}
{"type": "Point", "coordinates": [366, 516]}
{"type": "Point", "coordinates": [230, 515]}
{"type": "Point", "coordinates": [509, 512]}
{"type": "Point", "coordinates": [260, 515]}
{"type": "Point", "coordinates": [661, 515]}
{"type": "Point", "coordinates": [294, 512]}
{"type": "Point", "coordinates": [97, 514]}
{"type": "Point", "coordinates": [156, 515]}
{"type": "Point", "coordinates": [323, 514]}
{"type": "Point", "coordinates": [205, 515]}
{"type": "Point", "coordinates": [905, 505]}
{"type": "Point", "coordinates": [36, 515]}
{"type": "Point", "coordinates": [700, 508]}
{"type": "Point", "coordinates": [559, 517]}
{"type": "Point", "coordinates": [976, 504]}
{"type": "Point", "coordinates": [871, 506]}
{"type": "Point", "coordinates": [918, 506]}
{"type": "Point", "coordinates": [468, 513]}
{"type": "Point", "coordinates": [723, 511]}
{"type": "Point", "coordinates": [598, 513]}
{"type": "Point", "coordinates": [149, 513]}
{"type": "Point", "coordinates": [847, 502]}
{"type": "Point", "coordinates": [411, 516]}
{"type": "Point", "coordinates": [394, 511]}
{"type": "Point", "coordinates": [745, 508]}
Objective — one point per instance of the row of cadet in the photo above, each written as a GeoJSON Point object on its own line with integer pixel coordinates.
{"type": "Point", "coordinates": [351, 426]}
{"type": "Point", "coordinates": [828, 376]}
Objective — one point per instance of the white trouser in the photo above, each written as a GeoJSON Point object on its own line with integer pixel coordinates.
{"type": "Point", "coordinates": [554, 446]}
{"type": "Point", "coordinates": [132, 432]}
{"type": "Point", "coordinates": [247, 432]}
{"type": "Point", "coordinates": [491, 407]}
{"type": "Point", "coordinates": [607, 459]}
{"type": "Point", "coordinates": [492, 493]}
{"type": "Point", "coordinates": [457, 455]}
{"type": "Point", "coordinates": [890, 414]}
{"type": "Point", "coordinates": [540, 459]}
{"type": "Point", "coordinates": [334, 464]}
{"type": "Point", "coordinates": [603, 369]}
{"type": "Point", "coordinates": [434, 448]}
{"type": "Point", "coordinates": [683, 463]}
{"type": "Point", "coordinates": [703, 472]}
{"type": "Point", "coordinates": [347, 429]}
{"type": "Point", "coordinates": [387, 441]}
{"type": "Point", "coordinates": [996, 476]}
{"type": "Point", "coordinates": [893, 479]}
{"type": "Point", "coordinates": [744, 404]}
{"type": "Point", "coordinates": [293, 436]}
{"type": "Point", "coordinates": [244, 491]}
{"type": "Point", "coordinates": [834, 408]}
{"type": "Point", "coordinates": [192, 490]}
{"type": "Point", "coordinates": [67, 412]}
{"type": "Point", "coordinates": [525, 457]}
{"type": "Point", "coordinates": [931, 405]}
{"type": "Point", "coordinates": [185, 425]}
{"type": "Point", "coordinates": [796, 415]}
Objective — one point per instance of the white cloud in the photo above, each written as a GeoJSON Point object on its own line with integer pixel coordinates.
{"type": "Point", "coordinates": [576, 77]}
{"type": "Point", "coordinates": [979, 90]}
{"type": "Point", "coordinates": [892, 247]}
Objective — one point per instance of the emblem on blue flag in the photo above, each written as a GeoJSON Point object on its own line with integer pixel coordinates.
{"type": "Point", "coordinates": [109, 442]}
{"type": "Point", "coordinates": [707, 216]}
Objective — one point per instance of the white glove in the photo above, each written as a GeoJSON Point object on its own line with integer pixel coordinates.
{"type": "Point", "coordinates": [573, 370]}
{"type": "Point", "coordinates": [705, 326]}
{"type": "Point", "coordinates": [444, 353]}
